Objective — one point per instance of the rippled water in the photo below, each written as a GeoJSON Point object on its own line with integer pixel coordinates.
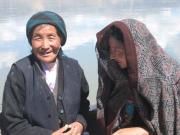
{"type": "Point", "coordinates": [84, 19]}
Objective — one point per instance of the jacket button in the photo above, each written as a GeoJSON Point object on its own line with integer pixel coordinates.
{"type": "Point", "coordinates": [61, 111]}
{"type": "Point", "coordinates": [60, 98]}
{"type": "Point", "coordinates": [48, 97]}
{"type": "Point", "coordinates": [49, 116]}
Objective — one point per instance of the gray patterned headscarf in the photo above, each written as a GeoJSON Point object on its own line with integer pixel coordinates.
{"type": "Point", "coordinates": [153, 74]}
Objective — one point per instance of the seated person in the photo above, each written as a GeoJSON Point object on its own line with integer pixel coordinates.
{"type": "Point", "coordinates": [46, 92]}
{"type": "Point", "coordinates": [138, 91]}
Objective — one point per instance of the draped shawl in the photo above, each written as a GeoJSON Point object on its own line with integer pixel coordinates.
{"type": "Point", "coordinates": [153, 76]}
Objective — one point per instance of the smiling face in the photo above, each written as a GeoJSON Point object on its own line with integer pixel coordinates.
{"type": "Point", "coordinates": [117, 52]}
{"type": "Point", "coordinates": [45, 43]}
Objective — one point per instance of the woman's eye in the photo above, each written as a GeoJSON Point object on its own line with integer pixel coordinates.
{"type": "Point", "coordinates": [36, 38]}
{"type": "Point", "coordinates": [51, 37]}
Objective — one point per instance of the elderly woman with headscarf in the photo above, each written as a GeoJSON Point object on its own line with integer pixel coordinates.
{"type": "Point", "coordinates": [46, 92]}
{"type": "Point", "coordinates": [139, 84]}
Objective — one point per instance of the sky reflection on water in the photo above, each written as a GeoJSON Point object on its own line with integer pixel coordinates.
{"type": "Point", "coordinates": [83, 20]}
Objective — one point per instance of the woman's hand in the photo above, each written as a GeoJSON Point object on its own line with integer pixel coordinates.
{"type": "Point", "coordinates": [131, 131]}
{"type": "Point", "coordinates": [62, 131]}
{"type": "Point", "coordinates": [74, 128]}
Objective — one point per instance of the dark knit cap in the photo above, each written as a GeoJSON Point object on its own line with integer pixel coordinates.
{"type": "Point", "coordinates": [46, 17]}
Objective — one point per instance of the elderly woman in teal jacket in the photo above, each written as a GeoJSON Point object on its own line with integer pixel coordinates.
{"type": "Point", "coordinates": [46, 92]}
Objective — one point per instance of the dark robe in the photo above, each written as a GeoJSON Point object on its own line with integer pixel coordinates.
{"type": "Point", "coordinates": [29, 106]}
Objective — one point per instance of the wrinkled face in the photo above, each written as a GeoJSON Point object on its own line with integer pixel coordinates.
{"type": "Point", "coordinates": [117, 52]}
{"type": "Point", "coordinates": [45, 43]}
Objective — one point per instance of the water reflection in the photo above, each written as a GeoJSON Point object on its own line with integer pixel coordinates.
{"type": "Point", "coordinates": [83, 20]}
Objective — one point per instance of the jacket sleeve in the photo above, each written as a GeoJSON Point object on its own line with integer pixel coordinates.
{"type": "Point", "coordinates": [84, 104]}
{"type": "Point", "coordinates": [13, 114]}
